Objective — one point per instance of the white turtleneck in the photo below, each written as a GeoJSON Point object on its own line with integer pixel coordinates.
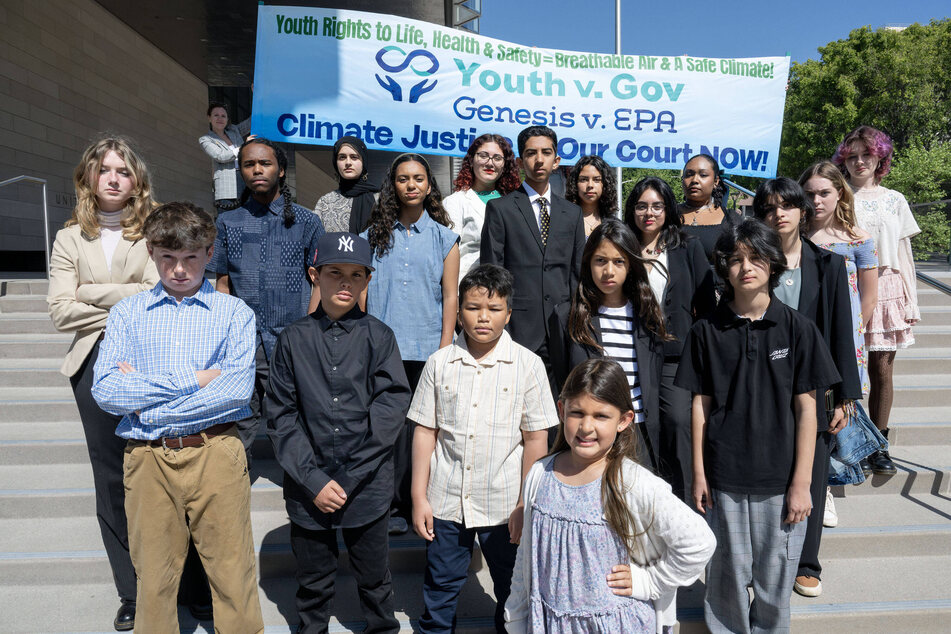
{"type": "Point", "coordinates": [110, 233]}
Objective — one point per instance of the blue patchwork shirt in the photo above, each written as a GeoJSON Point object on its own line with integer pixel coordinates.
{"type": "Point", "coordinates": [267, 262]}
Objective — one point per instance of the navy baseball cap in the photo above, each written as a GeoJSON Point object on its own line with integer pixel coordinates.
{"type": "Point", "coordinates": [342, 247]}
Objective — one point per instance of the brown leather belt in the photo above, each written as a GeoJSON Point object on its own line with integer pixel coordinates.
{"type": "Point", "coordinates": [192, 440]}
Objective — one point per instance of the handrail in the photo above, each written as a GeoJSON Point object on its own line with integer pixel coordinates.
{"type": "Point", "coordinates": [730, 183]}
{"type": "Point", "coordinates": [46, 215]}
{"type": "Point", "coordinates": [930, 281]}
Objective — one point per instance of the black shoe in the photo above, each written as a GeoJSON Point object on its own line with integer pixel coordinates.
{"type": "Point", "coordinates": [398, 525]}
{"type": "Point", "coordinates": [125, 618]}
{"type": "Point", "coordinates": [866, 467]}
{"type": "Point", "coordinates": [201, 611]}
{"type": "Point", "coordinates": [882, 464]}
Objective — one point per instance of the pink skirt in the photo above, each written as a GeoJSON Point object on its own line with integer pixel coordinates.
{"type": "Point", "coordinates": [888, 330]}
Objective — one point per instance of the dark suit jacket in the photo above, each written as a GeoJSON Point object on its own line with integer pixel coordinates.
{"type": "Point", "coordinates": [544, 276]}
{"type": "Point", "coordinates": [824, 298]}
{"type": "Point", "coordinates": [567, 353]}
{"type": "Point", "coordinates": [690, 292]}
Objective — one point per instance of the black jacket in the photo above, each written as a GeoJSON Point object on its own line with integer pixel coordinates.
{"type": "Point", "coordinates": [567, 353]}
{"type": "Point", "coordinates": [824, 298]}
{"type": "Point", "coordinates": [689, 294]}
{"type": "Point", "coordinates": [544, 276]}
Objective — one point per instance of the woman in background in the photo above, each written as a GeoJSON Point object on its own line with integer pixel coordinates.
{"type": "Point", "coordinates": [221, 143]}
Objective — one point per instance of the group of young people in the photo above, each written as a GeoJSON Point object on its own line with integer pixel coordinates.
{"type": "Point", "coordinates": [611, 403]}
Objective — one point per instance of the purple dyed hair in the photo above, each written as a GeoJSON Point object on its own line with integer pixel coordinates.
{"type": "Point", "coordinates": [877, 142]}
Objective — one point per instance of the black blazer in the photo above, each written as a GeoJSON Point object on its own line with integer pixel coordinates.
{"type": "Point", "coordinates": [567, 353]}
{"type": "Point", "coordinates": [544, 276]}
{"type": "Point", "coordinates": [824, 298]}
{"type": "Point", "coordinates": [689, 294]}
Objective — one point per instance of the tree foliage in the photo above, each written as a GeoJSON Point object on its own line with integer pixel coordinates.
{"type": "Point", "coordinates": [897, 81]}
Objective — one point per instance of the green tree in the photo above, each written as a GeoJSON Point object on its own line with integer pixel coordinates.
{"type": "Point", "coordinates": [897, 81]}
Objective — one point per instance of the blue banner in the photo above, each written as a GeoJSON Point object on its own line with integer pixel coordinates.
{"type": "Point", "coordinates": [405, 85]}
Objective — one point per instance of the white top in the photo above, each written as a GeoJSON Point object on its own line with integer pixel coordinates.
{"type": "Point", "coordinates": [657, 276]}
{"type": "Point", "coordinates": [617, 338]}
{"type": "Point", "coordinates": [672, 546]}
{"type": "Point", "coordinates": [481, 409]}
{"type": "Point", "coordinates": [533, 197]}
{"type": "Point", "coordinates": [110, 233]}
{"type": "Point", "coordinates": [467, 212]}
{"type": "Point", "coordinates": [885, 214]}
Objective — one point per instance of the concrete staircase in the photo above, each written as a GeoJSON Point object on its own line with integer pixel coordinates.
{"type": "Point", "coordinates": [887, 565]}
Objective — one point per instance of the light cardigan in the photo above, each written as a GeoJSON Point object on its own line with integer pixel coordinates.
{"type": "Point", "coordinates": [467, 213]}
{"type": "Point", "coordinates": [673, 545]}
{"type": "Point", "coordinates": [83, 288]}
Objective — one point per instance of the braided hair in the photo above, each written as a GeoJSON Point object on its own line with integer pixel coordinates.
{"type": "Point", "coordinates": [281, 157]}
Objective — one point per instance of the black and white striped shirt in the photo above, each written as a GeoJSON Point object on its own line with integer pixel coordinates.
{"type": "Point", "coordinates": [617, 338]}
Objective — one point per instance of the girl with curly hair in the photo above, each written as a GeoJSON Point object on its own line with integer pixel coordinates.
{"type": "Point", "coordinates": [414, 286]}
{"type": "Point", "coordinates": [488, 171]}
{"type": "Point", "coordinates": [703, 212]}
{"type": "Point", "coordinates": [592, 185]}
{"type": "Point", "coordinates": [865, 157]}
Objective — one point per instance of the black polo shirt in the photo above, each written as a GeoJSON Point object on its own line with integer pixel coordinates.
{"type": "Point", "coordinates": [336, 401]}
{"type": "Point", "coordinates": [752, 370]}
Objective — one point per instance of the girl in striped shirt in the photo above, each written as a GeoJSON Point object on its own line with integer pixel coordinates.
{"type": "Point", "coordinates": [615, 315]}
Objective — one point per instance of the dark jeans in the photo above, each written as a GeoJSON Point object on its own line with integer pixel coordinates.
{"type": "Point", "coordinates": [106, 453]}
{"type": "Point", "coordinates": [403, 452]}
{"type": "Point", "coordinates": [676, 453]}
{"type": "Point", "coordinates": [447, 567]}
{"type": "Point", "coordinates": [809, 560]}
{"type": "Point", "coordinates": [249, 427]}
{"type": "Point", "coordinates": [368, 550]}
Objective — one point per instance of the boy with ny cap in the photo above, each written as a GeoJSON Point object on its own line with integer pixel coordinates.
{"type": "Point", "coordinates": [336, 400]}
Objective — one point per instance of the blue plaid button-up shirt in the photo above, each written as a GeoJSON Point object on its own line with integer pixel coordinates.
{"type": "Point", "coordinates": [267, 262]}
{"type": "Point", "coordinates": [166, 341]}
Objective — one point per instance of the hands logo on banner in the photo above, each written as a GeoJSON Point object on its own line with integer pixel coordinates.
{"type": "Point", "coordinates": [394, 88]}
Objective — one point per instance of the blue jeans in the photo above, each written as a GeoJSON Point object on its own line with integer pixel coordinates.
{"type": "Point", "coordinates": [447, 566]}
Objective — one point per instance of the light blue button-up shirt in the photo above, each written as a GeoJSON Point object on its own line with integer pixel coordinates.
{"type": "Point", "coordinates": [405, 292]}
{"type": "Point", "coordinates": [167, 341]}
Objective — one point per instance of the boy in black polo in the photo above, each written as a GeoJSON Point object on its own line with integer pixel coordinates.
{"type": "Point", "coordinates": [753, 368]}
{"type": "Point", "coordinates": [336, 400]}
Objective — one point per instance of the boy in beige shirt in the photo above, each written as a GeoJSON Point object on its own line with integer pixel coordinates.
{"type": "Point", "coordinates": [482, 408]}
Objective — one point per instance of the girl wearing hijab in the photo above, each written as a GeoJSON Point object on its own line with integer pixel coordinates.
{"type": "Point", "coordinates": [348, 207]}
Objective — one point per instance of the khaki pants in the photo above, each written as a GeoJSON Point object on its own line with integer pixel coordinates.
{"type": "Point", "coordinates": [209, 486]}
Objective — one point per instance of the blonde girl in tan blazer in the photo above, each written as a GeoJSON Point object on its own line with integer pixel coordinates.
{"type": "Point", "coordinates": [98, 259]}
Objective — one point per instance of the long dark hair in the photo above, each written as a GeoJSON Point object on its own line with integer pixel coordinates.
{"type": "Point", "coordinates": [788, 191]}
{"type": "Point", "coordinates": [607, 204]}
{"type": "Point", "coordinates": [605, 381]}
{"type": "Point", "coordinates": [760, 239]}
{"type": "Point", "coordinates": [636, 287]}
{"type": "Point", "coordinates": [386, 211]}
{"type": "Point", "coordinates": [670, 234]}
{"type": "Point", "coordinates": [508, 176]}
{"type": "Point", "coordinates": [281, 158]}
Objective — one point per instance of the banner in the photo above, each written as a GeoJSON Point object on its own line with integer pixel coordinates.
{"type": "Point", "coordinates": [405, 85]}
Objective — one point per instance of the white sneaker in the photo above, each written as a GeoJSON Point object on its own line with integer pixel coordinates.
{"type": "Point", "coordinates": [830, 518]}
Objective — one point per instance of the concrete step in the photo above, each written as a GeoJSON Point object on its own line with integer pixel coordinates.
{"type": "Point", "coordinates": [26, 323]}
{"type": "Point", "coordinates": [24, 287]}
{"type": "Point", "coordinates": [935, 315]}
{"type": "Point", "coordinates": [32, 372]}
{"type": "Point", "coordinates": [23, 304]}
{"type": "Point", "coordinates": [39, 403]}
{"type": "Point", "coordinates": [22, 346]}
{"type": "Point", "coordinates": [921, 469]}
{"type": "Point", "coordinates": [928, 296]}
{"type": "Point", "coordinates": [917, 360]}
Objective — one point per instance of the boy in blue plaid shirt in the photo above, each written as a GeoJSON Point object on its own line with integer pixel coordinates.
{"type": "Point", "coordinates": [177, 364]}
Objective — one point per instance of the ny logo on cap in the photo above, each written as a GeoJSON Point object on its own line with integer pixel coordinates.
{"type": "Point", "coordinates": [345, 244]}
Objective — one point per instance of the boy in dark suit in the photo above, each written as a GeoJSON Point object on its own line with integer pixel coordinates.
{"type": "Point", "coordinates": [538, 236]}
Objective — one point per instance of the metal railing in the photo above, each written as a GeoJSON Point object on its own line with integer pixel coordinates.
{"type": "Point", "coordinates": [46, 215]}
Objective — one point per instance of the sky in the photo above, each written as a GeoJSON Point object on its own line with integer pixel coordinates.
{"type": "Point", "coordinates": [705, 28]}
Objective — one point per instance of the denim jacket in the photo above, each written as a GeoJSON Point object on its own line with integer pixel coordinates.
{"type": "Point", "coordinates": [857, 440]}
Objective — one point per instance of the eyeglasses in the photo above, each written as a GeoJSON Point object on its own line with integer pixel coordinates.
{"type": "Point", "coordinates": [656, 208]}
{"type": "Point", "coordinates": [485, 157]}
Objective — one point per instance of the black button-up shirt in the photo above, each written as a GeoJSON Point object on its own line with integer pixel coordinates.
{"type": "Point", "coordinates": [336, 401]}
{"type": "Point", "coordinates": [752, 370]}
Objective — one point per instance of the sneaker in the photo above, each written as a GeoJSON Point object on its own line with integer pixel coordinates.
{"type": "Point", "coordinates": [807, 586]}
{"type": "Point", "coordinates": [830, 519]}
{"type": "Point", "coordinates": [398, 525]}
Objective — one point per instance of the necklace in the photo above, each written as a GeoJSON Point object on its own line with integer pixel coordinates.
{"type": "Point", "coordinates": [696, 212]}
{"type": "Point", "coordinates": [657, 250]}
{"type": "Point", "coordinates": [589, 226]}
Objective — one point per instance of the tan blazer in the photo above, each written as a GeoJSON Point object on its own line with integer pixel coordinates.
{"type": "Point", "coordinates": [82, 289]}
